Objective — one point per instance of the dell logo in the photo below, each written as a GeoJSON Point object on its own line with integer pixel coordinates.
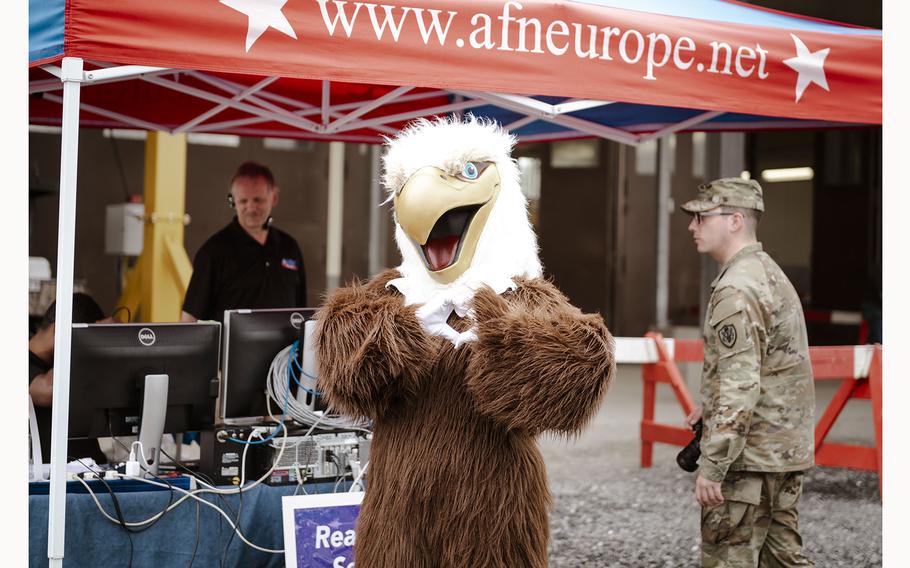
{"type": "Point", "coordinates": [146, 337]}
{"type": "Point", "coordinates": [296, 320]}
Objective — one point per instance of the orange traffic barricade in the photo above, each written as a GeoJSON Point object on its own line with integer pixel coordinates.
{"type": "Point", "coordinates": [859, 368]}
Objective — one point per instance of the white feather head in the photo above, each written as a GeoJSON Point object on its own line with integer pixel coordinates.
{"type": "Point", "coordinates": [507, 247]}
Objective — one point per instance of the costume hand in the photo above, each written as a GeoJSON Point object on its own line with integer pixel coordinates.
{"type": "Point", "coordinates": [694, 416]}
{"type": "Point", "coordinates": [434, 317]}
{"type": "Point", "coordinates": [707, 492]}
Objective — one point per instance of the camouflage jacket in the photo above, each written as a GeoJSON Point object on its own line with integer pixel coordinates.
{"type": "Point", "coordinates": [757, 389]}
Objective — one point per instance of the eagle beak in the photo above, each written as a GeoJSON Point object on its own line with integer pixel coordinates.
{"type": "Point", "coordinates": [444, 215]}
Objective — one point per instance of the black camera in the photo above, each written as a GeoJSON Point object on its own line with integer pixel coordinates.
{"type": "Point", "coordinates": [687, 458]}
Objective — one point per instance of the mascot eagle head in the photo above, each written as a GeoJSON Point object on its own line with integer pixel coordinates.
{"type": "Point", "coordinates": [461, 218]}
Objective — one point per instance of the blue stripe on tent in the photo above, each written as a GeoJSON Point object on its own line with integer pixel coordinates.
{"type": "Point", "coordinates": [721, 11]}
{"type": "Point", "coordinates": [45, 28]}
{"type": "Point", "coordinates": [625, 116]}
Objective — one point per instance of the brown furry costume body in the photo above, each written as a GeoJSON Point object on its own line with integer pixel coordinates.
{"type": "Point", "coordinates": [455, 477]}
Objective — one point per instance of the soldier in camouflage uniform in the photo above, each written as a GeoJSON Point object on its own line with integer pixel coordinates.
{"type": "Point", "coordinates": [757, 389]}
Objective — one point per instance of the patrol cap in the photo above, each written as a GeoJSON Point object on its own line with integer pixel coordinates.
{"type": "Point", "coordinates": [731, 192]}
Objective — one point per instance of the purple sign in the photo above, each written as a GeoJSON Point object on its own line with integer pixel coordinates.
{"type": "Point", "coordinates": [322, 531]}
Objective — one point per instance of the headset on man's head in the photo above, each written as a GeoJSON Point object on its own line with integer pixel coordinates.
{"type": "Point", "coordinates": [232, 205]}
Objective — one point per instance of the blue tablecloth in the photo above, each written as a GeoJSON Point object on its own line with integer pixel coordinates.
{"type": "Point", "coordinates": [92, 540]}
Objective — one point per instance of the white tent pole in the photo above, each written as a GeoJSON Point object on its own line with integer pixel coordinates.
{"type": "Point", "coordinates": [376, 243]}
{"type": "Point", "coordinates": [335, 111]}
{"type": "Point", "coordinates": [326, 100]}
{"type": "Point", "coordinates": [577, 105]}
{"type": "Point", "coordinates": [218, 108]}
{"type": "Point", "coordinates": [545, 112]}
{"type": "Point", "coordinates": [372, 105]}
{"type": "Point", "coordinates": [278, 114]}
{"type": "Point", "coordinates": [123, 72]}
{"type": "Point", "coordinates": [260, 100]}
{"type": "Point", "coordinates": [309, 109]}
{"type": "Point", "coordinates": [520, 122]}
{"type": "Point", "coordinates": [530, 105]}
{"type": "Point", "coordinates": [664, 162]}
{"type": "Point", "coordinates": [335, 216]}
{"type": "Point", "coordinates": [240, 122]}
{"type": "Point", "coordinates": [116, 75]}
{"type": "Point", "coordinates": [358, 124]}
{"type": "Point", "coordinates": [66, 231]}
{"type": "Point", "coordinates": [127, 120]}
{"type": "Point", "coordinates": [689, 122]}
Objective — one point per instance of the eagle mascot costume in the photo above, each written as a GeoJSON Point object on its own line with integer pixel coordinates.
{"type": "Point", "coordinates": [461, 357]}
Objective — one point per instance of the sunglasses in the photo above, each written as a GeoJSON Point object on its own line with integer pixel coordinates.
{"type": "Point", "coordinates": [700, 216]}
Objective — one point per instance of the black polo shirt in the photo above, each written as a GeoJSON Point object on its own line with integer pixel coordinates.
{"type": "Point", "coordinates": [233, 271]}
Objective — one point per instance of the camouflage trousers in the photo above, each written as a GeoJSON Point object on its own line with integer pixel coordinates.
{"type": "Point", "coordinates": [756, 525]}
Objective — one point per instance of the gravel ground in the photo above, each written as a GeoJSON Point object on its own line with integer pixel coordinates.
{"type": "Point", "coordinates": [608, 511]}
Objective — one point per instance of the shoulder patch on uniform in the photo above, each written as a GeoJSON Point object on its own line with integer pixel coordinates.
{"type": "Point", "coordinates": [727, 335]}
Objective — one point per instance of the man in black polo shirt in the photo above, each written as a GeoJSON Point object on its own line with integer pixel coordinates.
{"type": "Point", "coordinates": [249, 263]}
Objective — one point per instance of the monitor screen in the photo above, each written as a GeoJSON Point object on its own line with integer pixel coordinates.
{"type": "Point", "coordinates": [109, 366]}
{"type": "Point", "coordinates": [252, 338]}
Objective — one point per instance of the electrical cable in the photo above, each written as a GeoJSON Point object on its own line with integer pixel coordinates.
{"type": "Point", "coordinates": [237, 528]}
{"type": "Point", "coordinates": [340, 474]}
{"type": "Point", "coordinates": [278, 386]}
{"type": "Point", "coordinates": [147, 523]}
{"type": "Point", "coordinates": [209, 487]}
{"type": "Point", "coordinates": [246, 447]}
{"type": "Point", "coordinates": [201, 476]}
{"type": "Point", "coordinates": [338, 482]}
{"type": "Point", "coordinates": [196, 544]}
{"type": "Point", "coordinates": [356, 481]}
{"type": "Point", "coordinates": [116, 503]}
{"type": "Point", "coordinates": [119, 520]}
{"type": "Point", "coordinates": [187, 495]}
{"type": "Point", "coordinates": [284, 413]}
{"type": "Point", "coordinates": [192, 494]}
{"type": "Point", "coordinates": [190, 472]}
{"type": "Point", "coordinates": [170, 500]}
{"type": "Point", "coordinates": [100, 477]}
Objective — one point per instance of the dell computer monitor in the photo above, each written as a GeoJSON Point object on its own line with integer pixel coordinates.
{"type": "Point", "coordinates": [252, 338]}
{"type": "Point", "coordinates": [118, 370]}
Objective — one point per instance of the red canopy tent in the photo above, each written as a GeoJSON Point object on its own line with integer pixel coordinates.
{"type": "Point", "coordinates": [351, 70]}
{"type": "Point", "coordinates": [342, 70]}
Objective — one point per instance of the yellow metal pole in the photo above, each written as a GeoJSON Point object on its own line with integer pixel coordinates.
{"type": "Point", "coordinates": [131, 295]}
{"type": "Point", "coordinates": [164, 260]}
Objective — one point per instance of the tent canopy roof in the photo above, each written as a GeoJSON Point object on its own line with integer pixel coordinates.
{"type": "Point", "coordinates": [351, 70]}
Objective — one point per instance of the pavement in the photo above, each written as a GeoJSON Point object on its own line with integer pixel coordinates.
{"type": "Point", "coordinates": [608, 511]}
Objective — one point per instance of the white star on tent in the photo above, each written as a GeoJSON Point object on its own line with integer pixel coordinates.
{"type": "Point", "coordinates": [810, 66]}
{"type": "Point", "coordinates": [262, 14]}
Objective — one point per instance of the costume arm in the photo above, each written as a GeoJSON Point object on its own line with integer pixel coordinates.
{"type": "Point", "coordinates": [538, 362]}
{"type": "Point", "coordinates": [370, 348]}
{"type": "Point", "coordinates": [738, 336]}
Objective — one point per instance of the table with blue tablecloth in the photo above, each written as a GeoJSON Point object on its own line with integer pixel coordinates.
{"type": "Point", "coordinates": [92, 540]}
